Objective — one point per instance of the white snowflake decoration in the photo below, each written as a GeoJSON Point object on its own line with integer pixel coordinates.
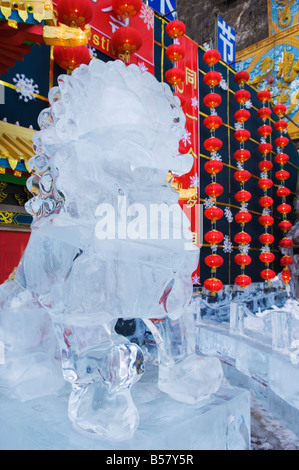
{"type": "Point", "coordinates": [244, 249]}
{"type": "Point", "coordinates": [186, 137]}
{"type": "Point", "coordinates": [238, 126]}
{"type": "Point", "coordinates": [208, 202]}
{"type": "Point", "coordinates": [266, 211]}
{"type": "Point", "coordinates": [147, 14]}
{"type": "Point", "coordinates": [206, 46]}
{"type": "Point", "coordinates": [213, 112]}
{"type": "Point", "coordinates": [216, 156]}
{"type": "Point", "coordinates": [143, 67]}
{"type": "Point", "coordinates": [194, 102]}
{"type": "Point", "coordinates": [195, 279]}
{"type": "Point", "coordinates": [227, 245]}
{"type": "Point", "coordinates": [264, 174]}
{"type": "Point", "coordinates": [214, 248]}
{"type": "Point", "coordinates": [279, 150]}
{"type": "Point", "coordinates": [265, 249]}
{"type": "Point", "coordinates": [228, 214]}
{"type": "Point", "coordinates": [240, 166]}
{"type": "Point", "coordinates": [248, 104]}
{"type": "Point", "coordinates": [194, 181]}
{"type": "Point", "coordinates": [25, 87]}
{"type": "Point", "coordinates": [244, 207]}
{"type": "Point", "coordinates": [223, 83]}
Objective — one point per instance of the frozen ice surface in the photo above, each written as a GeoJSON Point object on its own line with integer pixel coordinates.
{"type": "Point", "coordinates": [221, 422]}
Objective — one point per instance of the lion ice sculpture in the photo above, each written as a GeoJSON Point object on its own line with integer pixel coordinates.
{"type": "Point", "coordinates": [101, 157]}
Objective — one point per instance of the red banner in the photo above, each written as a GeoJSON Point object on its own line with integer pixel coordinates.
{"type": "Point", "coordinates": [105, 22]}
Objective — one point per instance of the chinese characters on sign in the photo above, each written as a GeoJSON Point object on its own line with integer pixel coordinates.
{"type": "Point", "coordinates": [165, 7]}
{"type": "Point", "coordinates": [226, 41]}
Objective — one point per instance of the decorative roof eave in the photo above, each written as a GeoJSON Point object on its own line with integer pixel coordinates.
{"type": "Point", "coordinates": [39, 10]}
{"type": "Point", "coordinates": [16, 144]}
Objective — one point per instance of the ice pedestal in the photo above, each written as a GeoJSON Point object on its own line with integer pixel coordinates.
{"type": "Point", "coordinates": [221, 422]}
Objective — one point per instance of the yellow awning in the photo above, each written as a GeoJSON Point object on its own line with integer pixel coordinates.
{"type": "Point", "coordinates": [16, 144]}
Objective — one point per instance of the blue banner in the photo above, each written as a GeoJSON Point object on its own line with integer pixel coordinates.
{"type": "Point", "coordinates": [164, 7]}
{"type": "Point", "coordinates": [226, 42]}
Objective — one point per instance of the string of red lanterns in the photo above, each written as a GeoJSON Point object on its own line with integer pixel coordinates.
{"type": "Point", "coordinates": [265, 183]}
{"type": "Point", "coordinates": [282, 175]}
{"type": "Point", "coordinates": [242, 238]}
{"type": "Point", "coordinates": [175, 52]}
{"type": "Point", "coordinates": [213, 167]}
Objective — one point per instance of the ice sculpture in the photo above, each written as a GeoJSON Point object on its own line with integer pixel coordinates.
{"type": "Point", "coordinates": [101, 159]}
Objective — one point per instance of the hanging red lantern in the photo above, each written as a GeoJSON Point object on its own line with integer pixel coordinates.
{"type": "Point", "coordinates": [263, 95]}
{"type": "Point", "coordinates": [74, 13]}
{"type": "Point", "coordinates": [265, 165]}
{"type": "Point", "coordinates": [212, 144]}
{"type": "Point", "coordinates": [174, 76]}
{"type": "Point", "coordinates": [283, 192]}
{"type": "Point", "coordinates": [242, 96]}
{"type": "Point", "coordinates": [211, 57]}
{"type": "Point", "coordinates": [69, 58]}
{"type": "Point", "coordinates": [282, 175]}
{"type": "Point", "coordinates": [286, 275]}
{"type": "Point", "coordinates": [285, 225]}
{"type": "Point", "coordinates": [286, 261]}
{"type": "Point", "coordinates": [242, 135]}
{"type": "Point", "coordinates": [282, 158]}
{"type": "Point", "coordinates": [280, 125]}
{"type": "Point", "coordinates": [214, 189]}
{"type": "Point", "coordinates": [212, 78]}
{"type": "Point", "coordinates": [213, 166]}
{"type": "Point", "coordinates": [242, 155]}
{"type": "Point", "coordinates": [279, 109]}
{"type": "Point", "coordinates": [286, 243]}
{"type": "Point", "coordinates": [265, 183]}
{"type": "Point", "coordinates": [242, 115]}
{"type": "Point", "coordinates": [241, 77]}
{"type": "Point", "coordinates": [266, 220]}
{"type": "Point", "coordinates": [212, 122]}
{"type": "Point", "coordinates": [281, 141]}
{"type": "Point", "coordinates": [214, 261]}
{"type": "Point", "coordinates": [243, 217]}
{"type": "Point", "coordinates": [242, 176]}
{"type": "Point", "coordinates": [242, 238]}
{"type": "Point", "coordinates": [284, 208]}
{"type": "Point", "coordinates": [126, 40]}
{"type": "Point", "coordinates": [242, 280]}
{"type": "Point", "coordinates": [267, 257]}
{"type": "Point", "coordinates": [175, 52]}
{"type": "Point", "coordinates": [175, 29]}
{"type": "Point", "coordinates": [268, 274]}
{"type": "Point", "coordinates": [266, 239]}
{"type": "Point", "coordinates": [264, 113]}
{"type": "Point", "coordinates": [214, 237]}
{"type": "Point", "coordinates": [212, 100]}
{"type": "Point", "coordinates": [213, 285]}
{"type": "Point", "coordinates": [126, 8]}
{"type": "Point", "coordinates": [266, 201]}
{"type": "Point", "coordinates": [265, 148]}
{"type": "Point", "coordinates": [243, 196]}
{"type": "Point", "coordinates": [264, 130]}
{"type": "Point", "coordinates": [214, 213]}
{"type": "Point", "coordinates": [242, 259]}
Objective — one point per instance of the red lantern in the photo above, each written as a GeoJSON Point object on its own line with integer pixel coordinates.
{"type": "Point", "coordinates": [126, 40]}
{"type": "Point", "coordinates": [263, 96]}
{"type": "Point", "coordinates": [214, 213]}
{"type": "Point", "coordinates": [242, 115]}
{"type": "Point", "coordinates": [266, 220]}
{"type": "Point", "coordinates": [69, 58]}
{"type": "Point", "coordinates": [285, 225]}
{"type": "Point", "coordinates": [174, 76]}
{"type": "Point", "coordinates": [286, 261]}
{"type": "Point", "coordinates": [241, 77]}
{"type": "Point", "coordinates": [268, 274]}
{"type": "Point", "coordinates": [282, 175]}
{"type": "Point", "coordinates": [266, 239]}
{"type": "Point", "coordinates": [213, 144]}
{"type": "Point", "coordinates": [242, 135]}
{"type": "Point", "coordinates": [279, 109]}
{"type": "Point", "coordinates": [242, 176]}
{"type": "Point", "coordinates": [212, 78]}
{"type": "Point", "coordinates": [213, 166]}
{"type": "Point", "coordinates": [265, 183]}
{"type": "Point", "coordinates": [284, 208]}
{"type": "Point", "coordinates": [264, 131]}
{"type": "Point", "coordinates": [281, 141]}
{"type": "Point", "coordinates": [264, 113]}
{"type": "Point", "coordinates": [280, 125]}
{"type": "Point", "coordinates": [286, 243]}
{"type": "Point", "coordinates": [175, 29]}
{"type": "Point", "coordinates": [211, 57]}
{"type": "Point", "coordinates": [126, 8]}
{"type": "Point", "coordinates": [214, 261]}
{"type": "Point", "coordinates": [266, 201]}
{"type": "Point", "coordinates": [286, 275]}
{"type": "Point", "coordinates": [243, 280]}
{"type": "Point", "coordinates": [265, 148]}
{"type": "Point", "coordinates": [265, 165]}
{"type": "Point", "coordinates": [283, 192]}
{"type": "Point", "coordinates": [212, 100]}
{"type": "Point", "coordinates": [242, 96]}
{"type": "Point", "coordinates": [282, 158]}
{"type": "Point", "coordinates": [212, 122]}
{"type": "Point", "coordinates": [267, 257]}
{"type": "Point", "coordinates": [243, 217]}
{"type": "Point", "coordinates": [213, 285]}
{"type": "Point", "coordinates": [242, 259]}
{"type": "Point", "coordinates": [214, 237]}
{"type": "Point", "coordinates": [74, 13]}
{"type": "Point", "coordinates": [242, 238]}
{"type": "Point", "coordinates": [175, 52]}
{"type": "Point", "coordinates": [214, 189]}
{"type": "Point", "coordinates": [242, 155]}
{"type": "Point", "coordinates": [243, 196]}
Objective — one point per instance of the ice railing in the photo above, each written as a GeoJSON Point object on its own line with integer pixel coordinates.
{"type": "Point", "coordinates": [268, 315]}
